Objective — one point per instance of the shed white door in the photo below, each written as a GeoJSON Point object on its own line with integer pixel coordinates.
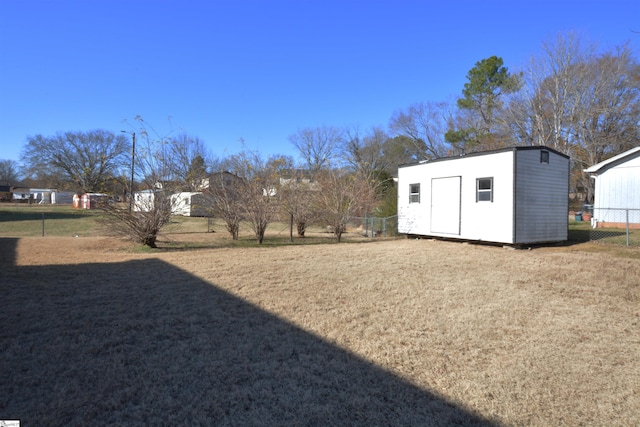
{"type": "Point", "coordinates": [445, 205]}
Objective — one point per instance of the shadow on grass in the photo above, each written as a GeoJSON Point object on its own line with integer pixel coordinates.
{"type": "Point", "coordinates": [8, 215]}
{"type": "Point", "coordinates": [582, 233]}
{"type": "Point", "coordinates": [576, 236]}
{"type": "Point", "coordinates": [594, 235]}
{"type": "Point", "coordinates": [168, 243]}
{"type": "Point", "coordinates": [143, 342]}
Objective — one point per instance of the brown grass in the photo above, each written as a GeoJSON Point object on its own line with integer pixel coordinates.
{"type": "Point", "coordinates": [405, 332]}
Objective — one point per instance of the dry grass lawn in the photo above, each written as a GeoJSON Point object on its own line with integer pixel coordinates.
{"type": "Point", "coordinates": [392, 332]}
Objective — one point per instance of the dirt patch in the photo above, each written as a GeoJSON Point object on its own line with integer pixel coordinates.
{"type": "Point", "coordinates": [244, 335]}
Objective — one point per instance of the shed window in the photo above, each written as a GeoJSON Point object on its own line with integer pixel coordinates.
{"type": "Point", "coordinates": [414, 193]}
{"type": "Point", "coordinates": [544, 157]}
{"type": "Point", "coordinates": [484, 190]}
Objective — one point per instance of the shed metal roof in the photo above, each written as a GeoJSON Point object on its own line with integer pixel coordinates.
{"type": "Point", "coordinates": [488, 152]}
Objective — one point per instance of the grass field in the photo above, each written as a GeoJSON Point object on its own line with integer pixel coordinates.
{"type": "Point", "coordinates": [19, 220]}
{"type": "Point", "coordinates": [376, 332]}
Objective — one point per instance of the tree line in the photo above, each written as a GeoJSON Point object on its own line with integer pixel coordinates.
{"type": "Point", "coordinates": [571, 97]}
{"type": "Point", "coordinates": [246, 187]}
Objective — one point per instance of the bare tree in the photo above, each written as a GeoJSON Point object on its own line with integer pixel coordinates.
{"type": "Point", "coordinates": [342, 195]}
{"type": "Point", "coordinates": [258, 186]}
{"type": "Point", "coordinates": [606, 120]}
{"type": "Point", "coordinates": [224, 192]}
{"type": "Point", "coordinates": [9, 174]}
{"type": "Point", "coordinates": [295, 195]}
{"type": "Point", "coordinates": [425, 124]}
{"type": "Point", "coordinates": [319, 146]}
{"type": "Point", "coordinates": [143, 225]}
{"type": "Point", "coordinates": [89, 159]}
{"type": "Point", "coordinates": [544, 111]}
{"type": "Point", "coordinates": [155, 167]}
{"type": "Point", "coordinates": [190, 160]}
{"type": "Point", "coordinates": [400, 150]}
{"type": "Point", "coordinates": [365, 153]}
{"type": "Point", "coordinates": [579, 102]}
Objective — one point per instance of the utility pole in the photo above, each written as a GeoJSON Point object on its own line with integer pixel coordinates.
{"type": "Point", "coordinates": [133, 158]}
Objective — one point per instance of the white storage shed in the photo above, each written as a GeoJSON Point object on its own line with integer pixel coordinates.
{"type": "Point", "coordinates": [616, 198]}
{"type": "Point", "coordinates": [42, 196]}
{"type": "Point", "coordinates": [143, 201]}
{"type": "Point", "coordinates": [516, 195]}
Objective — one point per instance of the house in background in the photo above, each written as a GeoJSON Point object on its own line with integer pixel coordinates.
{"type": "Point", "coordinates": [41, 196]}
{"type": "Point", "coordinates": [45, 196]}
{"type": "Point", "coordinates": [190, 204]}
{"type": "Point", "coordinates": [186, 203]}
{"type": "Point", "coordinates": [516, 195]}
{"type": "Point", "coordinates": [617, 190]}
{"type": "Point", "coordinates": [6, 195]}
{"type": "Point", "coordinates": [21, 194]}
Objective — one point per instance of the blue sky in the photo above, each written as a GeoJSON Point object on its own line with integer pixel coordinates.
{"type": "Point", "coordinates": [261, 70]}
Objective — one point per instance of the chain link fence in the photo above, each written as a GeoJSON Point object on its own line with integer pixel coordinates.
{"type": "Point", "coordinates": [374, 226]}
{"type": "Point", "coordinates": [614, 225]}
{"type": "Point", "coordinates": [618, 226]}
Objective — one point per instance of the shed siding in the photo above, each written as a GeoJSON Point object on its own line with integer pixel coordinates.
{"type": "Point", "coordinates": [413, 217]}
{"type": "Point", "coordinates": [542, 204]}
{"type": "Point", "coordinates": [488, 221]}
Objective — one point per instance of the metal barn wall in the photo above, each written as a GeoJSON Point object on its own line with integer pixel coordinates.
{"type": "Point", "coordinates": [542, 203]}
{"type": "Point", "coordinates": [619, 186]}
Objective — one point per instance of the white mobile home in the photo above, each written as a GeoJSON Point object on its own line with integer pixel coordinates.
{"type": "Point", "coordinates": [52, 196]}
{"type": "Point", "coordinates": [516, 195]}
{"type": "Point", "coordinates": [616, 198]}
{"type": "Point", "coordinates": [189, 204]}
{"type": "Point", "coordinates": [21, 194]}
{"type": "Point", "coordinates": [42, 196]}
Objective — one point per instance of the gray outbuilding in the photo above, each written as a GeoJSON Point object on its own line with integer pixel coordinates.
{"type": "Point", "coordinates": [517, 195]}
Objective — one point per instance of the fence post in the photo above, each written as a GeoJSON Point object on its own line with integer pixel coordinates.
{"type": "Point", "coordinates": [42, 224]}
{"type": "Point", "coordinates": [384, 226]}
{"type": "Point", "coordinates": [366, 225]}
{"type": "Point", "coordinates": [627, 215]}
